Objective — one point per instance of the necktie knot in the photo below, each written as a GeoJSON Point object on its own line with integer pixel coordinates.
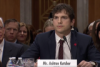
{"type": "Point", "coordinates": [61, 42]}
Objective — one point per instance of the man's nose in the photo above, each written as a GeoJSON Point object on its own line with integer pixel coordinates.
{"type": "Point", "coordinates": [59, 21]}
{"type": "Point", "coordinates": [11, 31]}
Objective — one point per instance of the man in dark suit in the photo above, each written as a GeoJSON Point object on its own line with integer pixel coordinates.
{"type": "Point", "coordinates": [8, 49]}
{"type": "Point", "coordinates": [64, 43]}
{"type": "Point", "coordinates": [11, 50]}
{"type": "Point", "coordinates": [11, 30]}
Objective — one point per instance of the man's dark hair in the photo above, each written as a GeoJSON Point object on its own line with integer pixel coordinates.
{"type": "Point", "coordinates": [67, 8]}
{"type": "Point", "coordinates": [11, 20]}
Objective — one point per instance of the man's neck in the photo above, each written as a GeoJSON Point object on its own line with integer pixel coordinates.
{"type": "Point", "coordinates": [13, 41]}
{"type": "Point", "coordinates": [63, 33]}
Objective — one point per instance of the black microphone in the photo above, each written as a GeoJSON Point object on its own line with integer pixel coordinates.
{"type": "Point", "coordinates": [68, 46]}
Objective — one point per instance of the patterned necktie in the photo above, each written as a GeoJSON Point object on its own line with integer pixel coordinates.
{"type": "Point", "coordinates": [60, 55]}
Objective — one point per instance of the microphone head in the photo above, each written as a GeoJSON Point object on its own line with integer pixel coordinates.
{"type": "Point", "coordinates": [64, 38]}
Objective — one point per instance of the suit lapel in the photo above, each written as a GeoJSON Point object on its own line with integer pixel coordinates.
{"type": "Point", "coordinates": [74, 44]}
{"type": "Point", "coordinates": [52, 45]}
{"type": "Point", "coordinates": [6, 52]}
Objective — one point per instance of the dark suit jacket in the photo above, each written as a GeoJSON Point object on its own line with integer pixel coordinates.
{"type": "Point", "coordinates": [45, 47]}
{"type": "Point", "coordinates": [11, 50]}
{"type": "Point", "coordinates": [24, 45]}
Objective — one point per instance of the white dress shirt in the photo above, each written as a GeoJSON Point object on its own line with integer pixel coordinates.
{"type": "Point", "coordinates": [66, 51]}
{"type": "Point", "coordinates": [1, 49]}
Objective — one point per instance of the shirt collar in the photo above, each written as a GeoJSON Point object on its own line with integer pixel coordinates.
{"type": "Point", "coordinates": [2, 44]}
{"type": "Point", "coordinates": [15, 41]}
{"type": "Point", "coordinates": [58, 38]}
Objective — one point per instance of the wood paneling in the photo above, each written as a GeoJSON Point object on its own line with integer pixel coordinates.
{"type": "Point", "coordinates": [94, 10]}
{"type": "Point", "coordinates": [73, 4]}
{"type": "Point", "coordinates": [42, 8]}
{"type": "Point", "coordinates": [10, 9]}
{"type": "Point", "coordinates": [35, 14]}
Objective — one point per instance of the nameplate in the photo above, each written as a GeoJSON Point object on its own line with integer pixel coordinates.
{"type": "Point", "coordinates": [56, 63]}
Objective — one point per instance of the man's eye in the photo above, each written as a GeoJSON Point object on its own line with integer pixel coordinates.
{"type": "Point", "coordinates": [64, 17]}
{"type": "Point", "coordinates": [8, 29]}
{"type": "Point", "coordinates": [55, 17]}
{"type": "Point", "coordinates": [15, 29]}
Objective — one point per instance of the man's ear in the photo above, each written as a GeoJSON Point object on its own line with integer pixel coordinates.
{"type": "Point", "coordinates": [73, 22]}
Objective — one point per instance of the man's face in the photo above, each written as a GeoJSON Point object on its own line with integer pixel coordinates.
{"type": "Point", "coordinates": [2, 31]}
{"type": "Point", "coordinates": [62, 22]}
{"type": "Point", "coordinates": [11, 31]}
